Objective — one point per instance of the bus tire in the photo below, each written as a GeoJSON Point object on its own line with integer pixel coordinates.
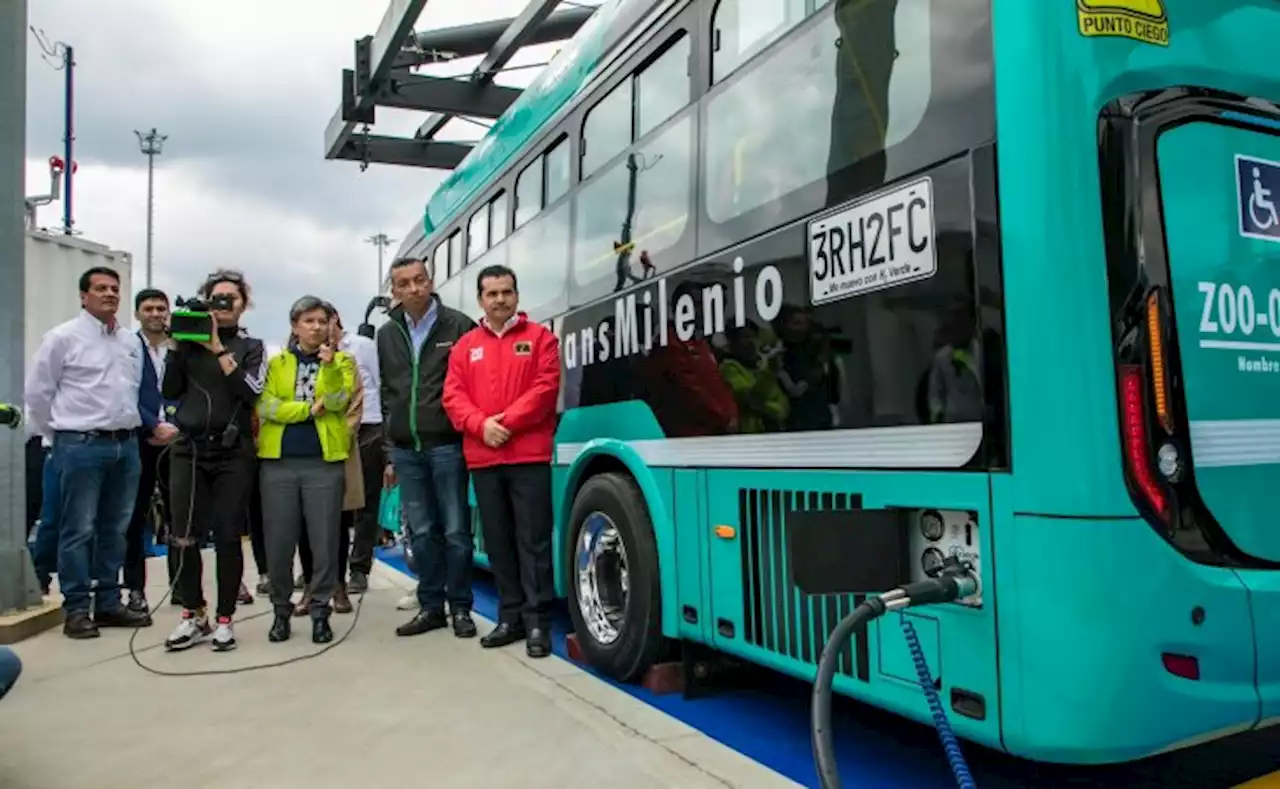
{"type": "Point", "coordinates": [611, 507]}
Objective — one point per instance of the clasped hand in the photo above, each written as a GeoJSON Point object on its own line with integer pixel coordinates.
{"type": "Point", "coordinates": [495, 435]}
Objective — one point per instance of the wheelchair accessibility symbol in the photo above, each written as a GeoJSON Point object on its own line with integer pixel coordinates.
{"type": "Point", "coordinates": [1258, 186]}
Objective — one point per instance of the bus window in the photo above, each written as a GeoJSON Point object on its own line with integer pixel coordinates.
{"type": "Point", "coordinates": [455, 294]}
{"type": "Point", "coordinates": [529, 192]}
{"type": "Point", "coordinates": [662, 88]}
{"type": "Point", "coordinates": [455, 253]}
{"type": "Point", "coordinates": [632, 213]}
{"type": "Point", "coordinates": [744, 27]}
{"type": "Point", "coordinates": [478, 233]}
{"type": "Point", "coordinates": [557, 171]}
{"type": "Point", "coordinates": [498, 219]}
{"type": "Point", "coordinates": [607, 129]}
{"type": "Point", "coordinates": [439, 262]}
{"type": "Point", "coordinates": [539, 254]}
{"type": "Point", "coordinates": [854, 100]}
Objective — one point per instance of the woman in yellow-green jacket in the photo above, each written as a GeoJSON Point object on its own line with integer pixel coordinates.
{"type": "Point", "coordinates": [303, 442]}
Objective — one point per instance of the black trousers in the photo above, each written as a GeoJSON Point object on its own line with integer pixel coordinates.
{"type": "Point", "coordinates": [34, 462]}
{"type": "Point", "coordinates": [515, 518]}
{"type": "Point", "coordinates": [256, 538]}
{"type": "Point", "coordinates": [154, 464]}
{"type": "Point", "coordinates": [209, 488]}
{"type": "Point", "coordinates": [367, 529]}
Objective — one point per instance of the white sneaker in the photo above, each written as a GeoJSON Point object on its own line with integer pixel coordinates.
{"type": "Point", "coordinates": [190, 631]}
{"type": "Point", "coordinates": [408, 603]}
{"type": "Point", "coordinates": [224, 637]}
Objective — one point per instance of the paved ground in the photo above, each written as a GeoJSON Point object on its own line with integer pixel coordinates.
{"type": "Point", "coordinates": [433, 710]}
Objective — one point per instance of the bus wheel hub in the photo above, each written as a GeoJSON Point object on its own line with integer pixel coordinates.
{"type": "Point", "coordinates": [603, 580]}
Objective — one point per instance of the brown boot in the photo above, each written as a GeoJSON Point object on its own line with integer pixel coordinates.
{"type": "Point", "coordinates": [303, 608]}
{"type": "Point", "coordinates": [341, 602]}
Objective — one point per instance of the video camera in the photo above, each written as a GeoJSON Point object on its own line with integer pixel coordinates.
{"type": "Point", "coordinates": [191, 320]}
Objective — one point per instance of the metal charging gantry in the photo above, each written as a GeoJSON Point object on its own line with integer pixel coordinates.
{"type": "Point", "coordinates": [385, 76]}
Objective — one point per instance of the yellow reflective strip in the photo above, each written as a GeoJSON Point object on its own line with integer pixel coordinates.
{"type": "Point", "coordinates": [1270, 781]}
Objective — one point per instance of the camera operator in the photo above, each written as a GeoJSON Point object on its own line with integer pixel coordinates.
{"type": "Point", "coordinates": [215, 384]}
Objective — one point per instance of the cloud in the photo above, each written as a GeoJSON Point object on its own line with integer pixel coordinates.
{"type": "Point", "coordinates": [200, 227]}
{"type": "Point", "coordinates": [244, 89]}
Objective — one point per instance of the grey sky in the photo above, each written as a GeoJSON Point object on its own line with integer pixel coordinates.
{"type": "Point", "coordinates": [244, 90]}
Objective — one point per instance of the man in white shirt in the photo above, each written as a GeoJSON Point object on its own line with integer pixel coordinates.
{"type": "Point", "coordinates": [372, 459]}
{"type": "Point", "coordinates": [82, 393]}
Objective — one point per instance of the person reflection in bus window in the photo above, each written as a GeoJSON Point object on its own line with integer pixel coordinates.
{"type": "Point", "coordinates": [751, 370]}
{"type": "Point", "coordinates": [682, 382]}
{"type": "Point", "coordinates": [806, 373]}
{"type": "Point", "coordinates": [955, 376]}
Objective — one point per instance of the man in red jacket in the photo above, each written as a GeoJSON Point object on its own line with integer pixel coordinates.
{"type": "Point", "coordinates": [501, 392]}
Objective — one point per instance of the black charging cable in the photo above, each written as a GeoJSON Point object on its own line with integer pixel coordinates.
{"type": "Point", "coordinates": [954, 581]}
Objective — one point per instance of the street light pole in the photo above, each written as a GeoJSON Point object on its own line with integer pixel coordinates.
{"type": "Point", "coordinates": [381, 242]}
{"type": "Point", "coordinates": [152, 145]}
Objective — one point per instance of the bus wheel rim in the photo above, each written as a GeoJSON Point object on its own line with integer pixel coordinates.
{"type": "Point", "coordinates": [604, 580]}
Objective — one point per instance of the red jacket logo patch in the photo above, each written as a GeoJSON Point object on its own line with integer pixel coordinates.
{"type": "Point", "coordinates": [523, 348]}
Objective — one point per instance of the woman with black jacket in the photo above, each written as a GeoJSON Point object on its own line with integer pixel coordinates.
{"type": "Point", "coordinates": [212, 465]}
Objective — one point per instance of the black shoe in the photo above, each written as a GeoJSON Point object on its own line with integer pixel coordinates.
{"type": "Point", "coordinates": [463, 626]}
{"type": "Point", "coordinates": [502, 635]}
{"type": "Point", "coordinates": [359, 583]}
{"type": "Point", "coordinates": [321, 633]}
{"type": "Point", "coordinates": [280, 628]}
{"type": "Point", "coordinates": [138, 602]}
{"type": "Point", "coordinates": [79, 627]}
{"type": "Point", "coordinates": [122, 617]}
{"type": "Point", "coordinates": [539, 643]}
{"type": "Point", "coordinates": [424, 622]}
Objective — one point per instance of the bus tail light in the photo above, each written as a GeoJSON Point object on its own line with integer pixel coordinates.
{"type": "Point", "coordinates": [1137, 443]}
{"type": "Point", "coordinates": [1185, 666]}
{"type": "Point", "coordinates": [1159, 375]}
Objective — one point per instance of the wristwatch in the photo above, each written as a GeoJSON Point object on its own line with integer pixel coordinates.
{"type": "Point", "coordinates": [223, 352]}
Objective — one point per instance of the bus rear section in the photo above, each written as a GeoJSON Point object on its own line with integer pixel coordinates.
{"type": "Point", "coordinates": [1189, 163]}
{"type": "Point", "coordinates": [1198, 348]}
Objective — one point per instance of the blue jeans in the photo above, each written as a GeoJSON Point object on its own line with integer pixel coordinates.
{"type": "Point", "coordinates": [433, 493]}
{"type": "Point", "coordinates": [97, 482]}
{"type": "Point", "coordinates": [10, 668]}
{"type": "Point", "coordinates": [44, 554]}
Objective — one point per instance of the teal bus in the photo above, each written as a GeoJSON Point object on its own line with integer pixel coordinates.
{"type": "Point", "coordinates": [1002, 275]}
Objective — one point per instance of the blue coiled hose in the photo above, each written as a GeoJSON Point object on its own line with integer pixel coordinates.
{"type": "Point", "coordinates": [955, 582]}
{"type": "Point", "coordinates": [959, 768]}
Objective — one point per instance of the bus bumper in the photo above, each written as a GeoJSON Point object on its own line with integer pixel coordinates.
{"type": "Point", "coordinates": [1264, 598]}
{"type": "Point", "coordinates": [1086, 676]}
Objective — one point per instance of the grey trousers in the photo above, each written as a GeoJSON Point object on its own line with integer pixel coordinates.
{"type": "Point", "coordinates": [297, 491]}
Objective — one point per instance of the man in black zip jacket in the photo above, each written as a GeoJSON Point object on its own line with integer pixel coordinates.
{"type": "Point", "coordinates": [424, 450]}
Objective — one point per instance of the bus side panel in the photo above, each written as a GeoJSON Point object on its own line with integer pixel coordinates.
{"type": "Point", "coordinates": [760, 615]}
{"type": "Point", "coordinates": [1082, 677]}
{"type": "Point", "coordinates": [1002, 575]}
{"type": "Point", "coordinates": [693, 595]}
{"type": "Point", "coordinates": [1062, 389]}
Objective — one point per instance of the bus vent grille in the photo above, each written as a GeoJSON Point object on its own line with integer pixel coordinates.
{"type": "Point", "coordinates": [777, 616]}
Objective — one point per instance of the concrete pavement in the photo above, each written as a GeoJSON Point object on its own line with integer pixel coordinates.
{"type": "Point", "coordinates": [375, 710]}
